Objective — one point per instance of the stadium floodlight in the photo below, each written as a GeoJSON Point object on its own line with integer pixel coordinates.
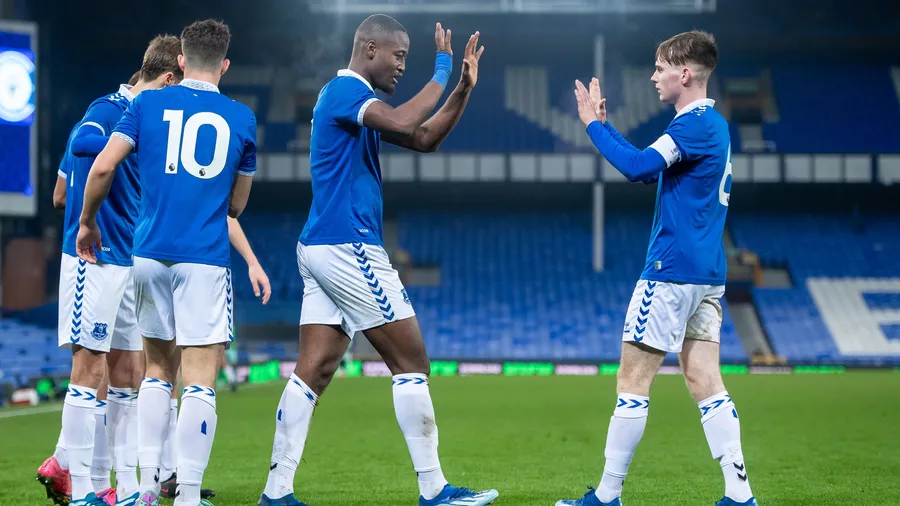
{"type": "Point", "coordinates": [513, 6]}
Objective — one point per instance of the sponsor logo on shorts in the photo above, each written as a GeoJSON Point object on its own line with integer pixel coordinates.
{"type": "Point", "coordinates": [100, 332]}
{"type": "Point", "coordinates": [405, 296]}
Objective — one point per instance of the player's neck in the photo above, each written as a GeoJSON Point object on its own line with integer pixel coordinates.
{"type": "Point", "coordinates": [199, 75]}
{"type": "Point", "coordinates": [360, 69]}
{"type": "Point", "coordinates": [688, 96]}
{"type": "Point", "coordinates": [139, 87]}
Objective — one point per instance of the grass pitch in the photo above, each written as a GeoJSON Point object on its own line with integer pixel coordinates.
{"type": "Point", "coordinates": [808, 440]}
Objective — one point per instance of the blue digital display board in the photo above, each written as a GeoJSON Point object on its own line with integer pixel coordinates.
{"type": "Point", "coordinates": [18, 116]}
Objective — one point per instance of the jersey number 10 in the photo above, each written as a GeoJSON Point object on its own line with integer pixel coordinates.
{"type": "Point", "coordinates": [187, 131]}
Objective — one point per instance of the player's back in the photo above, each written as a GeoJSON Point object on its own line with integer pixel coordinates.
{"type": "Point", "coordinates": [118, 213]}
{"type": "Point", "coordinates": [191, 142]}
{"type": "Point", "coordinates": [344, 164]}
{"type": "Point", "coordinates": [692, 201]}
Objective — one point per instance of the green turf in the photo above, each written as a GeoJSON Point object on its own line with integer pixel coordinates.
{"type": "Point", "coordinates": [808, 440]}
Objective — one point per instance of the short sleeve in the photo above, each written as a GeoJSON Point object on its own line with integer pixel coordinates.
{"type": "Point", "coordinates": [63, 170]}
{"type": "Point", "coordinates": [130, 124]}
{"type": "Point", "coordinates": [248, 157]}
{"type": "Point", "coordinates": [102, 116]}
{"type": "Point", "coordinates": [347, 100]}
{"type": "Point", "coordinates": [689, 136]}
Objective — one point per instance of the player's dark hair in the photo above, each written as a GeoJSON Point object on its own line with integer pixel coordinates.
{"type": "Point", "coordinates": [161, 57]}
{"type": "Point", "coordinates": [205, 44]}
{"type": "Point", "coordinates": [377, 25]}
{"type": "Point", "coordinates": [696, 47]}
{"type": "Point", "coordinates": [134, 78]}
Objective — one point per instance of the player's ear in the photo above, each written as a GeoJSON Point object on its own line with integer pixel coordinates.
{"type": "Point", "coordinates": [370, 49]}
{"type": "Point", "coordinates": [225, 64]}
{"type": "Point", "coordinates": [181, 62]}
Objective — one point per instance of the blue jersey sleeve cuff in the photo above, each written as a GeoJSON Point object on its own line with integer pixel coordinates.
{"type": "Point", "coordinates": [120, 135]}
{"type": "Point", "coordinates": [62, 174]}
{"type": "Point", "coordinates": [249, 173]}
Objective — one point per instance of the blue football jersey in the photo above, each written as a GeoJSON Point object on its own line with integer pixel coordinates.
{"type": "Point", "coordinates": [343, 160]}
{"type": "Point", "coordinates": [190, 142]}
{"type": "Point", "coordinates": [691, 199]}
{"type": "Point", "coordinates": [118, 213]}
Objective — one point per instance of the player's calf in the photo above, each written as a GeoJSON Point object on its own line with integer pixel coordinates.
{"type": "Point", "coordinates": [196, 428]}
{"type": "Point", "coordinates": [79, 419]}
{"type": "Point", "coordinates": [700, 363]}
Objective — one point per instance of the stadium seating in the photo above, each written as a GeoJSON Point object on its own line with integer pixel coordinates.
{"type": "Point", "coordinates": [829, 248]}
{"type": "Point", "coordinates": [808, 113]}
{"type": "Point", "coordinates": [28, 352]}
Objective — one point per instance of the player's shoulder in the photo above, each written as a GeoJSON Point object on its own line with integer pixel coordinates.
{"type": "Point", "coordinates": [346, 82]}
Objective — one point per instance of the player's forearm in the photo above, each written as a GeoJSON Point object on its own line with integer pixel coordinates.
{"type": "Point", "coordinates": [85, 145]}
{"type": "Point", "coordinates": [412, 113]}
{"type": "Point", "coordinates": [439, 126]}
{"type": "Point", "coordinates": [239, 240]}
{"type": "Point", "coordinates": [616, 135]}
{"type": "Point", "coordinates": [97, 188]}
{"type": "Point", "coordinates": [634, 164]}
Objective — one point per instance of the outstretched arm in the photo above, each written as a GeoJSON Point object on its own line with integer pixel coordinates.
{"type": "Point", "coordinates": [428, 137]}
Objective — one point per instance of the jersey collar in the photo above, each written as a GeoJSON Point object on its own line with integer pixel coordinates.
{"type": "Point", "coordinates": [125, 91]}
{"type": "Point", "coordinates": [703, 102]}
{"type": "Point", "coordinates": [350, 73]}
{"type": "Point", "coordinates": [199, 85]}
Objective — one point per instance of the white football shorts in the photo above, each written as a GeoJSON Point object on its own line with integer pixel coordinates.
{"type": "Point", "coordinates": [191, 303]}
{"type": "Point", "coordinates": [352, 285]}
{"type": "Point", "coordinates": [97, 306]}
{"type": "Point", "coordinates": [662, 315]}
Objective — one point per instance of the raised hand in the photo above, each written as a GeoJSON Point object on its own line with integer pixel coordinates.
{"type": "Point", "coordinates": [470, 61]}
{"type": "Point", "coordinates": [587, 112]}
{"type": "Point", "coordinates": [442, 39]}
{"type": "Point", "coordinates": [599, 103]}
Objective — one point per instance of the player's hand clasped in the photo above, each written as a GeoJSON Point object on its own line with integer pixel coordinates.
{"type": "Point", "coordinates": [88, 236]}
{"type": "Point", "coordinates": [591, 107]}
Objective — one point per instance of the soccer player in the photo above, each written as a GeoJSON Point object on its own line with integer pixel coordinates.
{"type": "Point", "coordinates": [196, 158]}
{"type": "Point", "coordinates": [261, 288]}
{"type": "Point", "coordinates": [675, 307]}
{"type": "Point", "coordinates": [97, 308]}
{"type": "Point", "coordinates": [349, 284]}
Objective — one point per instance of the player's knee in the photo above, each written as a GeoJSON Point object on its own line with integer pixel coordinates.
{"type": "Point", "coordinates": [703, 381]}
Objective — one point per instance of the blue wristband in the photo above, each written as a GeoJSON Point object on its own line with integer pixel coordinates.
{"type": "Point", "coordinates": [443, 66]}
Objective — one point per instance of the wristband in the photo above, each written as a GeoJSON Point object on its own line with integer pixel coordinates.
{"type": "Point", "coordinates": [443, 65]}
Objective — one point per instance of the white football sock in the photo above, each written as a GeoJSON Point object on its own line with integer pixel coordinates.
{"type": "Point", "coordinates": [723, 433]}
{"type": "Point", "coordinates": [153, 424]}
{"type": "Point", "coordinates": [295, 411]}
{"type": "Point", "coordinates": [196, 433]}
{"type": "Point", "coordinates": [169, 458]}
{"type": "Point", "coordinates": [121, 418]}
{"type": "Point", "coordinates": [101, 463]}
{"type": "Point", "coordinates": [626, 427]}
{"type": "Point", "coordinates": [78, 423]}
{"type": "Point", "coordinates": [415, 415]}
{"type": "Point", "coordinates": [60, 453]}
